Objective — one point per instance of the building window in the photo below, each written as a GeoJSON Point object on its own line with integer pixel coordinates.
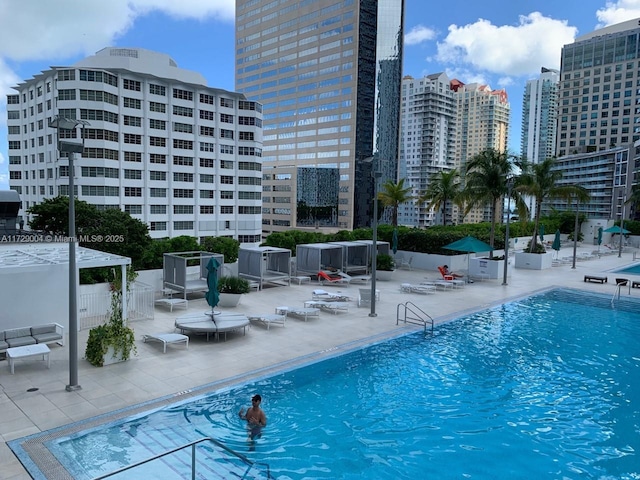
{"type": "Point", "coordinates": [133, 138]}
{"type": "Point", "coordinates": [182, 127]}
{"type": "Point", "coordinates": [133, 174]}
{"type": "Point", "coordinates": [182, 111]}
{"type": "Point", "coordinates": [226, 209]}
{"type": "Point", "coordinates": [154, 226]}
{"type": "Point", "coordinates": [131, 85]}
{"type": "Point", "coordinates": [207, 162]}
{"type": "Point", "coordinates": [207, 194]}
{"type": "Point", "coordinates": [158, 209]}
{"type": "Point", "coordinates": [183, 225]}
{"type": "Point", "coordinates": [206, 98]}
{"type": "Point", "coordinates": [157, 107]}
{"type": "Point", "coordinates": [133, 209]}
{"type": "Point", "coordinates": [157, 175]}
{"type": "Point", "coordinates": [207, 209]}
{"type": "Point", "coordinates": [182, 177]}
{"type": "Point", "coordinates": [158, 192]}
{"type": "Point", "coordinates": [157, 89]}
{"type": "Point", "coordinates": [226, 102]}
{"type": "Point", "coordinates": [132, 103]}
{"type": "Point", "coordinates": [207, 178]}
{"type": "Point", "coordinates": [207, 131]}
{"type": "Point", "coordinates": [132, 191]}
{"type": "Point", "coordinates": [224, 118]}
{"type": "Point", "coordinates": [132, 121]}
{"type": "Point", "coordinates": [157, 141]}
{"type": "Point", "coordinates": [207, 115]}
{"type": "Point", "coordinates": [157, 124]}
{"type": "Point", "coordinates": [183, 209]}
{"type": "Point", "coordinates": [182, 94]}
{"type": "Point", "coordinates": [180, 160]}
{"type": "Point", "coordinates": [182, 193]}
{"type": "Point", "coordinates": [157, 158]}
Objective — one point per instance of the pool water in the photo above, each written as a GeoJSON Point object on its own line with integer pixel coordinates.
{"type": "Point", "coordinates": [633, 269]}
{"type": "Point", "coordinates": [545, 387]}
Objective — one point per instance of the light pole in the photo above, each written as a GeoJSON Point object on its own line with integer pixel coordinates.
{"type": "Point", "coordinates": [376, 174]}
{"type": "Point", "coordinates": [506, 233]}
{"type": "Point", "coordinates": [624, 199]}
{"type": "Point", "coordinates": [575, 235]}
{"type": "Point", "coordinates": [62, 123]}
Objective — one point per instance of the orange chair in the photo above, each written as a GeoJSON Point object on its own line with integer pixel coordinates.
{"type": "Point", "coordinates": [324, 277]}
{"type": "Point", "coordinates": [447, 276]}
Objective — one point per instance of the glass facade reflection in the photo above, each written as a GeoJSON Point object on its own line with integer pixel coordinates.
{"type": "Point", "coordinates": [326, 102]}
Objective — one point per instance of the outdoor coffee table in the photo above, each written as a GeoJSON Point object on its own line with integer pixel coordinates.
{"type": "Point", "coordinates": [28, 351]}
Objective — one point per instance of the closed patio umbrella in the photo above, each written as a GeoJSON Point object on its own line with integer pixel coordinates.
{"type": "Point", "coordinates": [541, 232]}
{"type": "Point", "coordinates": [394, 241]}
{"type": "Point", "coordinates": [212, 296]}
{"type": "Point", "coordinates": [599, 238]}
{"type": "Point", "coordinates": [556, 243]}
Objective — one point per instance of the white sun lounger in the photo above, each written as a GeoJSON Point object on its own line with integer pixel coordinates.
{"type": "Point", "coordinates": [166, 339]}
{"type": "Point", "coordinates": [269, 318]}
{"type": "Point", "coordinates": [422, 289]}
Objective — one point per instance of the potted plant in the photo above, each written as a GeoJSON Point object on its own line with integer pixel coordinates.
{"type": "Point", "coordinates": [534, 259]}
{"type": "Point", "coordinates": [113, 341]}
{"type": "Point", "coordinates": [384, 266]}
{"type": "Point", "coordinates": [231, 290]}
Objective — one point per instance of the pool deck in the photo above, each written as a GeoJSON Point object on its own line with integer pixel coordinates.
{"type": "Point", "coordinates": [152, 374]}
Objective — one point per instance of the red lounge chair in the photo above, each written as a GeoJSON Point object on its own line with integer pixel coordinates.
{"type": "Point", "coordinates": [325, 278]}
{"type": "Point", "coordinates": [447, 277]}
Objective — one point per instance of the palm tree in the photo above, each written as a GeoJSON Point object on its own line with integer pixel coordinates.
{"type": "Point", "coordinates": [486, 183]}
{"type": "Point", "coordinates": [634, 200]}
{"type": "Point", "coordinates": [443, 187]}
{"type": "Point", "coordinates": [392, 195]}
{"type": "Point", "coordinates": [540, 181]}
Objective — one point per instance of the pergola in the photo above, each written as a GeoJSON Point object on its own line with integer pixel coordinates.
{"type": "Point", "coordinates": [34, 281]}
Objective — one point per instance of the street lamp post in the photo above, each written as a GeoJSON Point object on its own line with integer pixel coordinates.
{"type": "Point", "coordinates": [506, 233]}
{"type": "Point", "coordinates": [575, 235]}
{"type": "Point", "coordinates": [71, 148]}
{"type": "Point", "coordinates": [374, 247]}
{"type": "Point", "coordinates": [624, 199]}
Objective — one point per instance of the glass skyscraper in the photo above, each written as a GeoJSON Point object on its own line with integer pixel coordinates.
{"type": "Point", "coordinates": [328, 74]}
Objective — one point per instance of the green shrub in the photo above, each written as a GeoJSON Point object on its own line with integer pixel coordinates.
{"type": "Point", "coordinates": [385, 262]}
{"type": "Point", "coordinates": [233, 285]}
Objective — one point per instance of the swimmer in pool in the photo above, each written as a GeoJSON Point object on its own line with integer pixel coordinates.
{"type": "Point", "coordinates": [255, 417]}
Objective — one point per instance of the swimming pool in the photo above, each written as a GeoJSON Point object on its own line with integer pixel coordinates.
{"type": "Point", "coordinates": [632, 269]}
{"type": "Point", "coordinates": [545, 386]}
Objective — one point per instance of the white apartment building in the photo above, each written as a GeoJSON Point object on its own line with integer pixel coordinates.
{"type": "Point", "coordinates": [427, 141]}
{"type": "Point", "coordinates": [539, 120]}
{"type": "Point", "coordinates": [482, 123]}
{"type": "Point", "coordinates": [180, 156]}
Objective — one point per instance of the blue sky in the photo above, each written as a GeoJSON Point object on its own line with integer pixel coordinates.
{"type": "Point", "coordinates": [495, 42]}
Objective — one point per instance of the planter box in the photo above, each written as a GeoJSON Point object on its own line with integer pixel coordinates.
{"type": "Point", "coordinates": [384, 275]}
{"type": "Point", "coordinates": [534, 261]}
{"type": "Point", "coordinates": [229, 300]}
{"type": "Point", "coordinates": [110, 358]}
{"type": "Point", "coordinates": [481, 267]}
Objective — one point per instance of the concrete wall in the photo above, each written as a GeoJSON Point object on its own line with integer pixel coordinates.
{"type": "Point", "coordinates": [34, 296]}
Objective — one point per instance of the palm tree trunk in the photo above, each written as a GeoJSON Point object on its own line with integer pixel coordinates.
{"type": "Point", "coordinates": [494, 207]}
{"type": "Point", "coordinates": [444, 211]}
{"type": "Point", "coordinates": [536, 222]}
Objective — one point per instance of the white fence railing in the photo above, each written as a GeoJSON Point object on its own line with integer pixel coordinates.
{"type": "Point", "coordinates": [94, 308]}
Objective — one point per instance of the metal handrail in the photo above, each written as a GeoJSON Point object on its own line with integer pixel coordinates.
{"type": "Point", "coordinates": [193, 444]}
{"type": "Point", "coordinates": [416, 318]}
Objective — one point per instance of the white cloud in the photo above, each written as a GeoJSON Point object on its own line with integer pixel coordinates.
{"type": "Point", "coordinates": [507, 50]}
{"type": "Point", "coordinates": [419, 34]}
{"type": "Point", "coordinates": [616, 12]}
{"type": "Point", "coordinates": [467, 76]}
{"type": "Point", "coordinates": [505, 82]}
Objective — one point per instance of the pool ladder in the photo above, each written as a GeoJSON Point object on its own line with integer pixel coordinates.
{"type": "Point", "coordinates": [409, 312]}
{"type": "Point", "coordinates": [250, 466]}
{"type": "Point", "coordinates": [618, 292]}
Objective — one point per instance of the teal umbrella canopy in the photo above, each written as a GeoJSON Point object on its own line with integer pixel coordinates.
{"type": "Point", "coordinates": [394, 241]}
{"type": "Point", "coordinates": [541, 232]}
{"type": "Point", "coordinates": [212, 296]}
{"type": "Point", "coordinates": [616, 229]}
{"type": "Point", "coordinates": [556, 241]}
{"type": "Point", "coordinates": [599, 235]}
{"type": "Point", "coordinates": [469, 244]}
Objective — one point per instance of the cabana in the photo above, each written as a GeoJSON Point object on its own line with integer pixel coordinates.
{"type": "Point", "coordinates": [314, 257]}
{"type": "Point", "coordinates": [383, 247]}
{"type": "Point", "coordinates": [265, 265]}
{"type": "Point", "coordinates": [176, 276]}
{"type": "Point", "coordinates": [355, 258]}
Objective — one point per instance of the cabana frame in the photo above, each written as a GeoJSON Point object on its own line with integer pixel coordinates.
{"type": "Point", "coordinates": [311, 258]}
{"type": "Point", "coordinates": [355, 257]}
{"type": "Point", "coordinates": [265, 265]}
{"type": "Point", "coordinates": [176, 276]}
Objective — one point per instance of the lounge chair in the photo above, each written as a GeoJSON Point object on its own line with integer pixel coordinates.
{"type": "Point", "coordinates": [401, 262]}
{"type": "Point", "coordinates": [326, 279]}
{"type": "Point", "coordinates": [329, 297]}
{"type": "Point", "coordinates": [364, 296]}
{"type": "Point", "coordinates": [422, 289]}
{"type": "Point", "coordinates": [447, 277]}
{"type": "Point", "coordinates": [269, 319]}
{"type": "Point", "coordinates": [166, 339]}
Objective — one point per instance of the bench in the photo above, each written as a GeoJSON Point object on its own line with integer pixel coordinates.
{"type": "Point", "coordinates": [40, 334]}
{"type": "Point", "coordinates": [593, 278]}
